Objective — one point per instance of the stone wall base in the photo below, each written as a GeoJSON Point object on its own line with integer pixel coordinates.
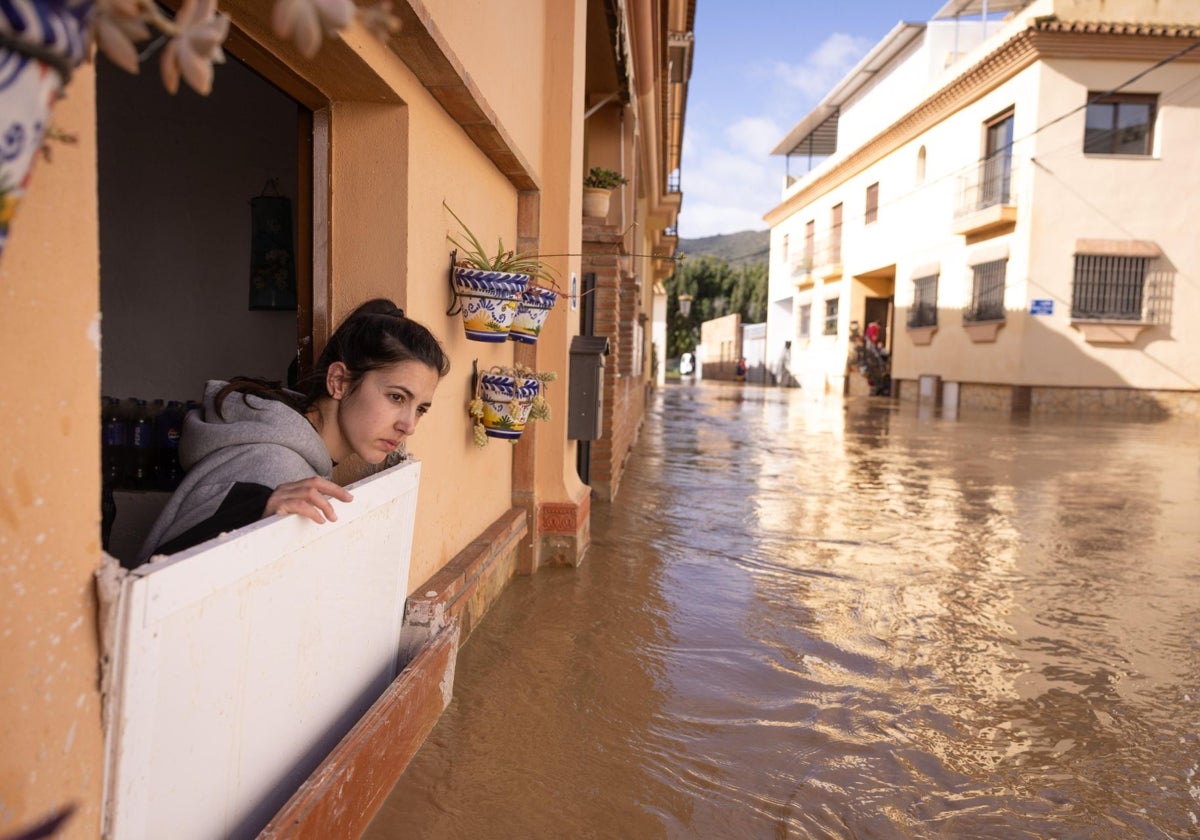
{"type": "Point", "coordinates": [1048, 400]}
{"type": "Point", "coordinates": [464, 589]}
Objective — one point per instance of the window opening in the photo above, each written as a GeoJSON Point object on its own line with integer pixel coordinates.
{"type": "Point", "coordinates": [810, 243]}
{"type": "Point", "coordinates": [805, 329]}
{"type": "Point", "coordinates": [1119, 124]}
{"type": "Point", "coordinates": [924, 308]}
{"type": "Point", "coordinates": [178, 311]}
{"type": "Point", "coordinates": [996, 181]}
{"type": "Point", "coordinates": [872, 212]}
{"type": "Point", "coordinates": [987, 292]}
{"type": "Point", "coordinates": [831, 316]}
{"type": "Point", "coordinates": [1109, 287]}
{"type": "Point", "coordinates": [835, 234]}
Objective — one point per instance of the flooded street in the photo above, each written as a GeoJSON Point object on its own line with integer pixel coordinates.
{"type": "Point", "coordinates": [827, 620]}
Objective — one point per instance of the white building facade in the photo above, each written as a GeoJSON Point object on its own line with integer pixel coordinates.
{"type": "Point", "coordinates": [1010, 200]}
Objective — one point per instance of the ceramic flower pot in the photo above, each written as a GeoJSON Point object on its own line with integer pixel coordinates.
{"type": "Point", "coordinates": [489, 301]}
{"type": "Point", "coordinates": [506, 404]}
{"type": "Point", "coordinates": [536, 304]}
{"type": "Point", "coordinates": [44, 40]}
{"type": "Point", "coordinates": [596, 201]}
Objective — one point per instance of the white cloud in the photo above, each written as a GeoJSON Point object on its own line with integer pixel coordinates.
{"type": "Point", "coordinates": [727, 190]}
{"type": "Point", "coordinates": [825, 66]}
{"type": "Point", "coordinates": [754, 135]}
{"type": "Point", "coordinates": [730, 179]}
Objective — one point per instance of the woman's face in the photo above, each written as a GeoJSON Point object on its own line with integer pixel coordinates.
{"type": "Point", "coordinates": [375, 417]}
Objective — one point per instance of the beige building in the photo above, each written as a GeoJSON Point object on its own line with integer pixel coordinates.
{"type": "Point", "coordinates": [127, 274]}
{"type": "Point", "coordinates": [1008, 198]}
{"type": "Point", "coordinates": [720, 347]}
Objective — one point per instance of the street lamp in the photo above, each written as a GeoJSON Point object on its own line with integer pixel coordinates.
{"type": "Point", "coordinates": [685, 305]}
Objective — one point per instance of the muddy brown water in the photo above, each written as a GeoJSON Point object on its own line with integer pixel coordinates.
{"type": "Point", "coordinates": [807, 619]}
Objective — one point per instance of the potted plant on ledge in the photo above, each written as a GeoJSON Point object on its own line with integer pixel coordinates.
{"type": "Point", "coordinates": [598, 185]}
{"type": "Point", "coordinates": [498, 295]}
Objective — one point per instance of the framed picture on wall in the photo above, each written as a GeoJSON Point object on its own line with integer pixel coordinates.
{"type": "Point", "coordinates": [272, 253]}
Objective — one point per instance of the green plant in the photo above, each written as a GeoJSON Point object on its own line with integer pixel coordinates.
{"type": "Point", "coordinates": [472, 254]}
{"type": "Point", "coordinates": [604, 179]}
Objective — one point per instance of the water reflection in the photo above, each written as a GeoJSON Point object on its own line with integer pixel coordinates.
{"type": "Point", "coordinates": [827, 619]}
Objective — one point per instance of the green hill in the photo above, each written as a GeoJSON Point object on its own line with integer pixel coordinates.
{"type": "Point", "coordinates": [738, 249]}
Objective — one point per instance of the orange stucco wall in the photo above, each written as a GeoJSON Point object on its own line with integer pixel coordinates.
{"type": "Point", "coordinates": [50, 490]}
{"type": "Point", "coordinates": [561, 208]}
{"type": "Point", "coordinates": [500, 46]}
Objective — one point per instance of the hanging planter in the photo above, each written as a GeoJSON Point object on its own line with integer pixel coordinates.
{"type": "Point", "coordinates": [536, 303]}
{"type": "Point", "coordinates": [488, 301]}
{"type": "Point", "coordinates": [506, 398]}
{"type": "Point", "coordinates": [489, 290]}
{"type": "Point", "coordinates": [40, 44]}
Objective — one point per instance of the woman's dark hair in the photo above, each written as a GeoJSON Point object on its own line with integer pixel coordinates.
{"type": "Point", "coordinates": [375, 335]}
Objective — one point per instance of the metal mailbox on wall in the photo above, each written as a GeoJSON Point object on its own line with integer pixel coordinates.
{"type": "Point", "coordinates": [586, 397]}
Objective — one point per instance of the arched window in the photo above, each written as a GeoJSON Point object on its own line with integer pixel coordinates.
{"type": "Point", "coordinates": [921, 165]}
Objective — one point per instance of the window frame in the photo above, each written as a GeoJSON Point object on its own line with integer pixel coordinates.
{"type": "Point", "coordinates": [983, 309]}
{"type": "Point", "coordinates": [915, 316]}
{"type": "Point", "coordinates": [835, 232]}
{"type": "Point", "coordinates": [871, 213]}
{"type": "Point", "coordinates": [1115, 100]}
{"type": "Point", "coordinates": [1128, 269]}
{"type": "Point", "coordinates": [804, 328]}
{"type": "Point", "coordinates": [831, 316]}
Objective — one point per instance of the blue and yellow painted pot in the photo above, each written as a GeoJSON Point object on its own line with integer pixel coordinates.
{"type": "Point", "coordinates": [489, 301]}
{"type": "Point", "coordinates": [506, 404]}
{"type": "Point", "coordinates": [536, 304]}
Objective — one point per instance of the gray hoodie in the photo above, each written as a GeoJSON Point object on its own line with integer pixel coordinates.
{"type": "Point", "coordinates": [233, 463]}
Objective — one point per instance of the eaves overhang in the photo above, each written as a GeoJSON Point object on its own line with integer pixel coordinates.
{"type": "Point", "coordinates": [816, 133]}
{"type": "Point", "coordinates": [970, 8]}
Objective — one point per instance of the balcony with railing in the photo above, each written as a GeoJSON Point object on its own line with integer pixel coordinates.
{"type": "Point", "coordinates": [820, 259]}
{"type": "Point", "coordinates": [987, 201]}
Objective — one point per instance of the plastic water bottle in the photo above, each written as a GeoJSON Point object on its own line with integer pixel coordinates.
{"type": "Point", "coordinates": [142, 444]}
{"type": "Point", "coordinates": [167, 429]}
{"type": "Point", "coordinates": [114, 442]}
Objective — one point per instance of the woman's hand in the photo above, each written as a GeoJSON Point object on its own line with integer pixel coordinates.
{"type": "Point", "coordinates": [308, 498]}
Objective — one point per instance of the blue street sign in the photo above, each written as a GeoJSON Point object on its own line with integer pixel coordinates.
{"type": "Point", "coordinates": [1041, 307]}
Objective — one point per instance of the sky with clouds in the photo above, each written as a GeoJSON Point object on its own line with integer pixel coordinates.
{"type": "Point", "coordinates": [760, 66]}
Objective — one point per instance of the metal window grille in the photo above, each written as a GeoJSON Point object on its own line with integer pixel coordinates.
{"type": "Point", "coordinates": [924, 308]}
{"type": "Point", "coordinates": [805, 320]}
{"type": "Point", "coordinates": [987, 292]}
{"type": "Point", "coordinates": [1110, 288]}
{"type": "Point", "coordinates": [831, 316]}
